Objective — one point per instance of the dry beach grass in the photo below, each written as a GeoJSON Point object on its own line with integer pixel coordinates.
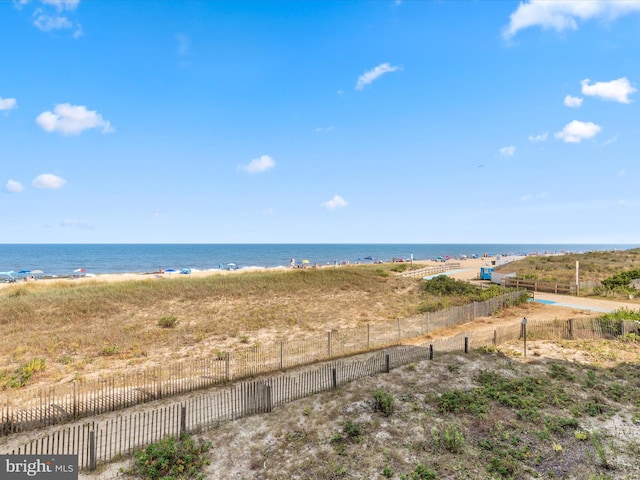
{"type": "Point", "coordinates": [102, 325]}
{"type": "Point", "coordinates": [111, 323]}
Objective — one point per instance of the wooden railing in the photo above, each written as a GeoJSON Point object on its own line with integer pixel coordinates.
{"type": "Point", "coordinates": [537, 286]}
{"type": "Point", "coordinates": [426, 271]}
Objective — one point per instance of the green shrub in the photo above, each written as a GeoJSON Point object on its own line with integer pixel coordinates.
{"type": "Point", "coordinates": [352, 430]}
{"type": "Point", "coordinates": [453, 439]}
{"type": "Point", "coordinates": [419, 473]}
{"type": "Point", "coordinates": [400, 267]}
{"type": "Point", "coordinates": [455, 401]}
{"type": "Point", "coordinates": [21, 376]}
{"type": "Point", "coordinates": [171, 459]}
{"type": "Point", "coordinates": [622, 279]}
{"type": "Point", "coordinates": [168, 321]}
{"type": "Point", "coordinates": [109, 350]}
{"type": "Point", "coordinates": [383, 402]}
{"type": "Point", "coordinates": [560, 371]}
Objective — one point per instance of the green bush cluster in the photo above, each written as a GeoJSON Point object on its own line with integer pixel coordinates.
{"type": "Point", "coordinates": [443, 292]}
{"type": "Point", "coordinates": [621, 279]}
{"type": "Point", "coordinates": [419, 473]}
{"type": "Point", "coordinates": [611, 323]}
{"type": "Point", "coordinates": [383, 402]}
{"type": "Point", "coordinates": [171, 459]}
{"type": "Point", "coordinates": [168, 321]}
{"type": "Point", "coordinates": [21, 376]}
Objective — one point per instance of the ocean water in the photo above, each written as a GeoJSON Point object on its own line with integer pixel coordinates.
{"type": "Point", "coordinates": [61, 259]}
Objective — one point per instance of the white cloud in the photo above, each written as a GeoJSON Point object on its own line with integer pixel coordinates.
{"type": "Point", "coordinates": [72, 222]}
{"type": "Point", "coordinates": [539, 138]}
{"type": "Point", "coordinates": [368, 77]}
{"type": "Point", "coordinates": [72, 120]}
{"type": "Point", "coordinates": [62, 4]}
{"type": "Point", "coordinates": [615, 90]}
{"type": "Point", "coordinates": [323, 129]}
{"type": "Point", "coordinates": [336, 202]}
{"type": "Point", "coordinates": [48, 19]}
{"type": "Point", "coordinates": [48, 181]}
{"type": "Point", "coordinates": [7, 103]}
{"type": "Point", "coordinates": [258, 165]}
{"type": "Point", "coordinates": [622, 173]}
{"type": "Point", "coordinates": [46, 23]}
{"type": "Point", "coordinates": [573, 102]}
{"type": "Point", "coordinates": [508, 151]}
{"type": "Point", "coordinates": [13, 187]}
{"type": "Point", "coordinates": [576, 131]}
{"type": "Point", "coordinates": [564, 14]}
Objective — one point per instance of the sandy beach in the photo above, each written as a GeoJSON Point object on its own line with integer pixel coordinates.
{"type": "Point", "coordinates": [469, 269]}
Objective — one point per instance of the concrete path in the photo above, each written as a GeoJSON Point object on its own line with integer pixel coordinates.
{"type": "Point", "coordinates": [583, 303]}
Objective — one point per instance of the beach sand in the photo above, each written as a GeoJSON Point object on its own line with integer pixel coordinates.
{"type": "Point", "coordinates": [469, 269]}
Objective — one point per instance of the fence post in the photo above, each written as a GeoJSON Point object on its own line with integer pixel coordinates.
{"type": "Point", "coordinates": [386, 363]}
{"type": "Point", "coordinates": [75, 400]}
{"type": "Point", "coordinates": [495, 338]}
{"type": "Point", "coordinates": [329, 344]}
{"type": "Point", "coordinates": [183, 419]}
{"type": "Point", "coordinates": [431, 351]}
{"type": "Point", "coordinates": [267, 392]}
{"type": "Point", "coordinates": [571, 329]}
{"type": "Point", "coordinates": [92, 450]}
{"type": "Point", "coordinates": [368, 336]}
{"type": "Point", "coordinates": [281, 355]}
{"type": "Point", "coordinates": [524, 335]}
{"type": "Point", "coordinates": [466, 344]}
{"type": "Point", "coordinates": [227, 375]}
{"type": "Point", "coordinates": [427, 329]}
{"type": "Point", "coordinates": [399, 335]}
{"type": "Point", "coordinates": [334, 377]}
{"type": "Point", "coordinates": [475, 314]}
{"type": "Point", "coordinates": [159, 383]}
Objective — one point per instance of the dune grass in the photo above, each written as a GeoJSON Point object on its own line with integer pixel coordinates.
{"type": "Point", "coordinates": [594, 266]}
{"type": "Point", "coordinates": [82, 327]}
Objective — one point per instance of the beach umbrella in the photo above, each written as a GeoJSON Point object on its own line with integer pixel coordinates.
{"type": "Point", "coordinates": [170, 270]}
{"type": "Point", "coordinates": [368, 258]}
{"type": "Point", "coordinates": [305, 261]}
{"type": "Point", "coordinates": [24, 272]}
{"type": "Point", "coordinates": [37, 272]}
{"type": "Point", "coordinates": [79, 270]}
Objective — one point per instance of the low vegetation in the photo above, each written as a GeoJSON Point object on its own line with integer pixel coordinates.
{"type": "Point", "coordinates": [79, 328]}
{"type": "Point", "coordinates": [485, 415]}
{"type": "Point", "coordinates": [443, 292]}
{"type": "Point", "coordinates": [171, 459]}
{"type": "Point", "coordinates": [605, 274]}
{"type": "Point", "coordinates": [594, 266]}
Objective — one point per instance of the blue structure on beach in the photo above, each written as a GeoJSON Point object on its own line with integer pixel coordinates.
{"type": "Point", "coordinates": [485, 273]}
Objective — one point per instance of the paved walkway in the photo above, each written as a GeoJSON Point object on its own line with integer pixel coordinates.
{"type": "Point", "coordinates": [583, 303]}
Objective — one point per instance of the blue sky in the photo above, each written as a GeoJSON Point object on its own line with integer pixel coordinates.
{"type": "Point", "coordinates": [319, 122]}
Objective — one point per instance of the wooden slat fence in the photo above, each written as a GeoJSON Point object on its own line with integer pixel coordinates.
{"type": "Point", "coordinates": [426, 271]}
{"type": "Point", "coordinates": [549, 287]}
{"type": "Point", "coordinates": [37, 408]}
{"type": "Point", "coordinates": [98, 442]}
